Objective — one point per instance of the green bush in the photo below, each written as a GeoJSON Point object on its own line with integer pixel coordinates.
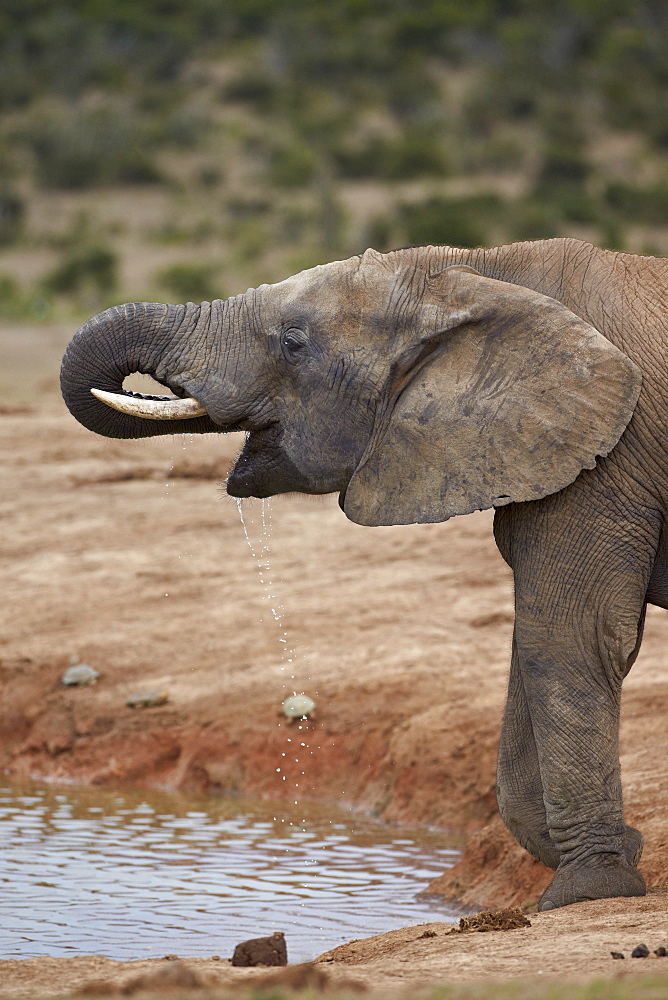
{"type": "Point", "coordinates": [12, 305]}
{"type": "Point", "coordinates": [295, 224]}
{"type": "Point", "coordinates": [415, 154]}
{"type": "Point", "coordinates": [639, 204]}
{"type": "Point", "coordinates": [461, 222]}
{"type": "Point", "coordinates": [292, 165]}
{"type": "Point", "coordinates": [563, 164]}
{"type": "Point", "coordinates": [77, 148]}
{"type": "Point", "coordinates": [187, 125]}
{"type": "Point", "coordinates": [18, 304]}
{"type": "Point", "coordinates": [330, 220]}
{"type": "Point", "coordinates": [84, 271]}
{"type": "Point", "coordinates": [612, 237]}
{"type": "Point", "coordinates": [190, 282]}
{"type": "Point", "coordinates": [66, 48]}
{"type": "Point", "coordinates": [500, 154]}
{"type": "Point", "coordinates": [411, 89]}
{"type": "Point", "coordinates": [252, 87]}
{"type": "Point", "coordinates": [532, 219]}
{"type": "Point", "coordinates": [170, 232]}
{"type": "Point", "coordinates": [12, 212]}
{"type": "Point", "coordinates": [630, 70]}
{"type": "Point", "coordinates": [565, 203]}
{"type": "Point", "coordinates": [561, 186]}
{"type": "Point", "coordinates": [210, 176]}
{"type": "Point", "coordinates": [380, 234]}
{"type": "Point", "coordinates": [250, 237]}
{"type": "Point", "coordinates": [247, 207]}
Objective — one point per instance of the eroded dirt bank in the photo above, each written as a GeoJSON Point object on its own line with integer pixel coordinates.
{"type": "Point", "coordinates": [401, 637]}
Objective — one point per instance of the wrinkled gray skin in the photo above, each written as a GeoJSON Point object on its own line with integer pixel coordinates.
{"type": "Point", "coordinates": [418, 390]}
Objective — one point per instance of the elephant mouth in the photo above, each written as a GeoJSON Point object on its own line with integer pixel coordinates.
{"type": "Point", "coordinates": [264, 468]}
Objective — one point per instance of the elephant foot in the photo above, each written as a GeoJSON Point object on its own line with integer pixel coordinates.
{"type": "Point", "coordinates": [605, 881]}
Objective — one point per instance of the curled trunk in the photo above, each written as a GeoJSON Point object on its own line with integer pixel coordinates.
{"type": "Point", "coordinates": [144, 337]}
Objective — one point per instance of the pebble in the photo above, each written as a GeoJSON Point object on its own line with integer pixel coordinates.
{"type": "Point", "coordinates": [147, 699]}
{"type": "Point", "coordinates": [79, 675]}
{"type": "Point", "coordinates": [642, 951]}
{"type": "Point", "coordinates": [298, 706]}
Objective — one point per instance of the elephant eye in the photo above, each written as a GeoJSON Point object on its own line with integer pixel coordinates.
{"type": "Point", "coordinates": [294, 342]}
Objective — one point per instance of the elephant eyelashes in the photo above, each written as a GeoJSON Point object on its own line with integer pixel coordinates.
{"type": "Point", "coordinates": [294, 343]}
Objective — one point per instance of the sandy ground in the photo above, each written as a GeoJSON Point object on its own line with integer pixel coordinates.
{"type": "Point", "coordinates": [574, 943]}
{"type": "Point", "coordinates": [127, 556]}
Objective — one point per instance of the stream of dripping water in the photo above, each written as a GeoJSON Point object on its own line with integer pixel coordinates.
{"type": "Point", "coordinates": [261, 551]}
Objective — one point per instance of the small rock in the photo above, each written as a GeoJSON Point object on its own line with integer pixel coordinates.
{"type": "Point", "coordinates": [642, 951]}
{"type": "Point", "coordinates": [79, 675]}
{"type": "Point", "coordinates": [262, 951]}
{"type": "Point", "coordinates": [661, 952]}
{"type": "Point", "coordinates": [147, 699]}
{"type": "Point", "coordinates": [298, 706]}
{"type": "Point", "coordinates": [616, 954]}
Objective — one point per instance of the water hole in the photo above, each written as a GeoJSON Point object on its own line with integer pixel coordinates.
{"type": "Point", "coordinates": [141, 874]}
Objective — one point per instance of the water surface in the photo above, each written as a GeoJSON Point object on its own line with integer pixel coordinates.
{"type": "Point", "coordinates": [141, 874]}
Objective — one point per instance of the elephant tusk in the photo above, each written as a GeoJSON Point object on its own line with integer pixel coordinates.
{"type": "Point", "coordinates": [169, 408]}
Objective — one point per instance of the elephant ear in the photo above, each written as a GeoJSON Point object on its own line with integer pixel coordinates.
{"type": "Point", "coordinates": [504, 395]}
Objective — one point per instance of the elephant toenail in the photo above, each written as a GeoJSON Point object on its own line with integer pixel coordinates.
{"type": "Point", "coordinates": [547, 905]}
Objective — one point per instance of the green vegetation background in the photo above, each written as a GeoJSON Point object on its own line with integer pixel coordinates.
{"type": "Point", "coordinates": [156, 149]}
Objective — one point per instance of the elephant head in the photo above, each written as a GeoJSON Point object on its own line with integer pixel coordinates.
{"type": "Point", "coordinates": [415, 390]}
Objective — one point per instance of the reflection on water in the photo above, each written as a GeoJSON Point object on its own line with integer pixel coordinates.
{"type": "Point", "coordinates": [142, 874]}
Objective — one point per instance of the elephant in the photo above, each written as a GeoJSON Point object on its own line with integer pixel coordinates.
{"type": "Point", "coordinates": [433, 381]}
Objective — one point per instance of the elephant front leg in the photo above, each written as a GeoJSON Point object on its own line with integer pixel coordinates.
{"type": "Point", "coordinates": [580, 584]}
{"type": "Point", "coordinates": [520, 786]}
{"type": "Point", "coordinates": [576, 740]}
{"type": "Point", "coordinates": [572, 673]}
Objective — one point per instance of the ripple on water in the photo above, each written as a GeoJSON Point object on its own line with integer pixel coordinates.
{"type": "Point", "coordinates": [86, 871]}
